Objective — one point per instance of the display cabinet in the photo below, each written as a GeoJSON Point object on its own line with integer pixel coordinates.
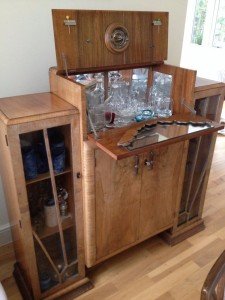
{"type": "Point", "coordinates": [41, 172]}
{"type": "Point", "coordinates": [208, 102]}
{"type": "Point", "coordinates": [156, 186]}
{"type": "Point", "coordinates": [77, 195]}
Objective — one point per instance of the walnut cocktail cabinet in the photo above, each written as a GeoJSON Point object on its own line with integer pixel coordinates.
{"type": "Point", "coordinates": [132, 194]}
{"type": "Point", "coordinates": [48, 240]}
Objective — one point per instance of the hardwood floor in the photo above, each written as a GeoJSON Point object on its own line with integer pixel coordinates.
{"type": "Point", "coordinates": [154, 270]}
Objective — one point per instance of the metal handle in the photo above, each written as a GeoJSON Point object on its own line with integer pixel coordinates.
{"type": "Point", "coordinates": [136, 166]}
{"type": "Point", "coordinates": [150, 161]}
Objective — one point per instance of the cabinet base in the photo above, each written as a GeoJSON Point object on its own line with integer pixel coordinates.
{"type": "Point", "coordinates": [68, 293]}
{"type": "Point", "coordinates": [173, 238]}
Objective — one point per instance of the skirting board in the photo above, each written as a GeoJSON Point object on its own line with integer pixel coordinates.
{"type": "Point", "coordinates": [5, 234]}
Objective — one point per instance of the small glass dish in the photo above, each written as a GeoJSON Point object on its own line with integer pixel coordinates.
{"type": "Point", "coordinates": [145, 114]}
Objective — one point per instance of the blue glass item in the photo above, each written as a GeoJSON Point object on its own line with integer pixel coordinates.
{"type": "Point", "coordinates": [50, 202]}
{"type": "Point", "coordinates": [58, 151]}
{"type": "Point", "coordinates": [29, 162]}
{"type": "Point", "coordinates": [42, 160]}
{"type": "Point", "coordinates": [146, 114]}
{"type": "Point", "coordinates": [45, 281]}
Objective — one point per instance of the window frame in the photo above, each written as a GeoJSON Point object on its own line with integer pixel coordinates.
{"type": "Point", "coordinates": [209, 27]}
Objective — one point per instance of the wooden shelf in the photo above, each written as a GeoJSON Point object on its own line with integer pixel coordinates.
{"type": "Point", "coordinates": [67, 222]}
{"type": "Point", "coordinates": [44, 176]}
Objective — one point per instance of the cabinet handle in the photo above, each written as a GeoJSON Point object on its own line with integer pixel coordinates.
{"type": "Point", "coordinates": [150, 161]}
{"type": "Point", "coordinates": [136, 166]}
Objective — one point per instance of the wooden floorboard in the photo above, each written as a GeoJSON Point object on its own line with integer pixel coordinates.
{"type": "Point", "coordinates": [154, 270]}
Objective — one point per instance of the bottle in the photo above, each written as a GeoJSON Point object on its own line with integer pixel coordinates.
{"type": "Point", "coordinates": [50, 213]}
{"type": "Point", "coordinates": [95, 103]}
{"type": "Point", "coordinates": [96, 97]}
{"type": "Point", "coordinates": [63, 207]}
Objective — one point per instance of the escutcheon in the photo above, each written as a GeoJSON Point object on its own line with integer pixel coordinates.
{"type": "Point", "coordinates": [116, 38]}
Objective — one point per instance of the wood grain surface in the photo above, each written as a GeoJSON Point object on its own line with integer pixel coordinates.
{"type": "Point", "coordinates": [117, 204]}
{"type": "Point", "coordinates": [154, 268]}
{"type": "Point", "coordinates": [159, 189]}
{"type": "Point", "coordinates": [26, 108]}
{"type": "Point", "coordinates": [84, 47]}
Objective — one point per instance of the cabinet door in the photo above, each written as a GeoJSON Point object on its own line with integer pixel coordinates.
{"type": "Point", "coordinates": [117, 203]}
{"type": "Point", "coordinates": [50, 156]}
{"type": "Point", "coordinates": [160, 189]}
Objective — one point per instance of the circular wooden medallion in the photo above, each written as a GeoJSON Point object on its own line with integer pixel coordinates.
{"type": "Point", "coordinates": [116, 38]}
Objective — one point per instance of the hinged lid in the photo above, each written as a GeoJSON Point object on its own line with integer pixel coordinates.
{"type": "Point", "coordinates": [91, 40]}
{"type": "Point", "coordinates": [142, 137]}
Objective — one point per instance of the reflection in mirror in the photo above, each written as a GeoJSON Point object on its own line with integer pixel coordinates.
{"type": "Point", "coordinates": [160, 95]}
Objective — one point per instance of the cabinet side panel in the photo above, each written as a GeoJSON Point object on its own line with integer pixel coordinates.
{"type": "Point", "coordinates": [78, 195]}
{"type": "Point", "coordinates": [89, 203]}
{"type": "Point", "coordinates": [10, 193]}
{"type": "Point", "coordinates": [72, 93]}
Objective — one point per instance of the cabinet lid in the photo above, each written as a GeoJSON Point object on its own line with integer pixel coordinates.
{"type": "Point", "coordinates": [88, 40]}
{"type": "Point", "coordinates": [161, 132]}
{"type": "Point", "coordinates": [27, 108]}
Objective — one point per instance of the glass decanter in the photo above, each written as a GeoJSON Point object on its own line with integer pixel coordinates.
{"type": "Point", "coordinates": [95, 103]}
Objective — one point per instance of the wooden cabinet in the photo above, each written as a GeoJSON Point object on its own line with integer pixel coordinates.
{"type": "Point", "coordinates": [135, 199]}
{"type": "Point", "coordinates": [123, 206]}
{"type": "Point", "coordinates": [48, 241]}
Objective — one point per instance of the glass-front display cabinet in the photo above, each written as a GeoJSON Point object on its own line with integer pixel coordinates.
{"type": "Point", "coordinates": [42, 179]}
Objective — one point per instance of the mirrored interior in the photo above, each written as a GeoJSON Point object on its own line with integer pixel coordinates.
{"type": "Point", "coordinates": [119, 98]}
{"type": "Point", "coordinates": [160, 132]}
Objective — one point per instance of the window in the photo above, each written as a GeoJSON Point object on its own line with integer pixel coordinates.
{"type": "Point", "coordinates": [208, 27]}
{"type": "Point", "coordinates": [199, 21]}
{"type": "Point", "coordinates": [219, 31]}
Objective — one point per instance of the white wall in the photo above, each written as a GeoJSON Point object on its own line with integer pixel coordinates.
{"type": "Point", "coordinates": [207, 60]}
{"type": "Point", "coordinates": [27, 43]}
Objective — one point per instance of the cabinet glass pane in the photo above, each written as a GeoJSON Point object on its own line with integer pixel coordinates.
{"type": "Point", "coordinates": [48, 274]}
{"type": "Point", "coordinates": [51, 203]}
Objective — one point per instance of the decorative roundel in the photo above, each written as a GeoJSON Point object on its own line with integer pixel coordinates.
{"type": "Point", "coordinates": [116, 38]}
